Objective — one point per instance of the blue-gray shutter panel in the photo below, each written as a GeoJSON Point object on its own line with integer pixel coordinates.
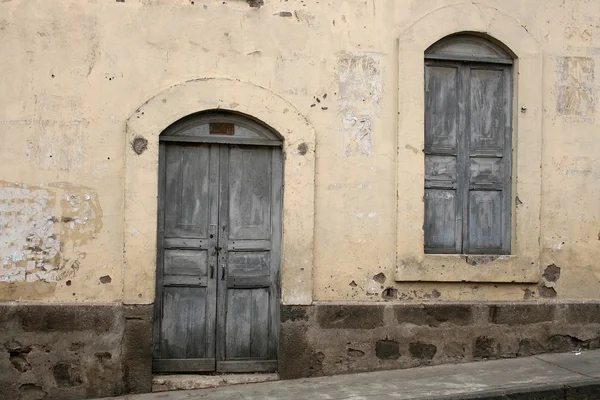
{"type": "Point", "coordinates": [468, 146]}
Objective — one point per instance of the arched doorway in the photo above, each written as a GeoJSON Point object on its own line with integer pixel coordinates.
{"type": "Point", "coordinates": [218, 245]}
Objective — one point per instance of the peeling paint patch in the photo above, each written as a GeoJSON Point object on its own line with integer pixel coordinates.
{"type": "Point", "coordinates": [575, 88]}
{"type": "Point", "coordinates": [37, 222]}
{"type": "Point", "coordinates": [357, 135]}
{"type": "Point", "coordinates": [59, 145]}
{"type": "Point", "coordinates": [305, 17]}
{"type": "Point", "coordinates": [360, 91]}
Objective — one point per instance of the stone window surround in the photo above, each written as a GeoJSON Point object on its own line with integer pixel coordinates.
{"type": "Point", "coordinates": [523, 264]}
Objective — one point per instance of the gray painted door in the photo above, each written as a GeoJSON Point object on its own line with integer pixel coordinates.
{"type": "Point", "coordinates": [218, 258]}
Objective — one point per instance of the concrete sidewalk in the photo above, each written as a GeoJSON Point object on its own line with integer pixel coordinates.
{"type": "Point", "coordinates": [548, 377]}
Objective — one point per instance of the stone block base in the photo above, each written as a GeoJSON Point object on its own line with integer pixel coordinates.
{"type": "Point", "coordinates": [327, 338]}
{"type": "Point", "coordinates": [90, 351]}
{"type": "Point", "coordinates": [74, 351]}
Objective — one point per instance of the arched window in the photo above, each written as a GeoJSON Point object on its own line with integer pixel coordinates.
{"type": "Point", "coordinates": [468, 141]}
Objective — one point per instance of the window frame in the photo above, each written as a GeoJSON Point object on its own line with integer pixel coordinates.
{"type": "Point", "coordinates": [523, 265]}
{"type": "Point", "coordinates": [467, 53]}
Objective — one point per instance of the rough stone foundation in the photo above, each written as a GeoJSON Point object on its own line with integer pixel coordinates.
{"type": "Point", "coordinates": [327, 339]}
{"type": "Point", "coordinates": [87, 351]}
{"type": "Point", "coordinates": [74, 351]}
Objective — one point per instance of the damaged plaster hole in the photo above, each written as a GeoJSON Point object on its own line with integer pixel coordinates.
{"type": "Point", "coordinates": [387, 349]}
{"type": "Point", "coordinates": [353, 284]}
{"type": "Point", "coordinates": [255, 3]}
{"type": "Point", "coordinates": [31, 391]}
{"type": "Point", "coordinates": [355, 353]}
{"type": "Point", "coordinates": [389, 293]}
{"type": "Point", "coordinates": [518, 201]}
{"type": "Point", "coordinates": [551, 273]}
{"type": "Point", "coordinates": [103, 356]}
{"type": "Point", "coordinates": [302, 149]}
{"type": "Point", "coordinates": [547, 292]}
{"type": "Point", "coordinates": [105, 279]}
{"type": "Point", "coordinates": [18, 359]}
{"type": "Point", "coordinates": [422, 351]}
{"type": "Point", "coordinates": [139, 145]}
{"type": "Point", "coordinates": [379, 278]}
{"type": "Point", "coordinates": [528, 294]}
{"type": "Point", "coordinates": [66, 375]}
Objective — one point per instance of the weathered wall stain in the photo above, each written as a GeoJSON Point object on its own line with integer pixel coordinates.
{"type": "Point", "coordinates": [576, 91]}
{"type": "Point", "coordinates": [139, 145]}
{"type": "Point", "coordinates": [360, 85]}
{"type": "Point", "coordinates": [42, 228]}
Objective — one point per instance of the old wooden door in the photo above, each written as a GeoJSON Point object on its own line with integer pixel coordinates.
{"type": "Point", "coordinates": [219, 241]}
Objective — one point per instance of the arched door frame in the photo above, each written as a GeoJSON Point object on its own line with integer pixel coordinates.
{"type": "Point", "coordinates": [141, 179]}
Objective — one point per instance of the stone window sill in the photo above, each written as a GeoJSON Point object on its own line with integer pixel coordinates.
{"type": "Point", "coordinates": [468, 268]}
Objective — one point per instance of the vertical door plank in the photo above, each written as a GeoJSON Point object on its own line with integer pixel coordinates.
{"type": "Point", "coordinates": [259, 329]}
{"type": "Point", "coordinates": [186, 289]}
{"type": "Point", "coordinates": [238, 325]}
{"type": "Point", "coordinates": [223, 255]}
{"type": "Point", "coordinates": [158, 302]}
{"type": "Point", "coordinates": [252, 236]}
{"type": "Point", "coordinates": [489, 150]}
{"type": "Point", "coordinates": [183, 330]}
{"type": "Point", "coordinates": [275, 261]}
{"type": "Point", "coordinates": [442, 226]}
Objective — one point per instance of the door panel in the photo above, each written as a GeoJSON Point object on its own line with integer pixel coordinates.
{"type": "Point", "coordinates": [183, 335]}
{"type": "Point", "coordinates": [441, 108]}
{"type": "Point", "coordinates": [440, 220]}
{"type": "Point", "coordinates": [186, 197]}
{"type": "Point", "coordinates": [249, 190]}
{"type": "Point", "coordinates": [185, 299]}
{"type": "Point", "coordinates": [247, 323]}
{"type": "Point", "coordinates": [487, 127]}
{"type": "Point", "coordinates": [485, 221]}
{"type": "Point", "coordinates": [250, 237]}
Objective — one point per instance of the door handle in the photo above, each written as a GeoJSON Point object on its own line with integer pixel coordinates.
{"type": "Point", "coordinates": [218, 248]}
{"type": "Point", "coordinates": [223, 274]}
{"type": "Point", "coordinates": [212, 271]}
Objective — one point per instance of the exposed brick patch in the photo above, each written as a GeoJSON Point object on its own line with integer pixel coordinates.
{"type": "Point", "coordinates": [583, 313]}
{"type": "Point", "coordinates": [521, 314]}
{"type": "Point", "coordinates": [485, 347]}
{"type": "Point", "coordinates": [434, 315]}
{"type": "Point", "coordinates": [422, 351]}
{"type": "Point", "coordinates": [294, 313]}
{"type": "Point", "coordinates": [387, 350]}
{"type": "Point", "coordinates": [529, 347]}
{"type": "Point", "coordinates": [350, 316]}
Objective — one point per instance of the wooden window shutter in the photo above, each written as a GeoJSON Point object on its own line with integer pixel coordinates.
{"type": "Point", "coordinates": [468, 92]}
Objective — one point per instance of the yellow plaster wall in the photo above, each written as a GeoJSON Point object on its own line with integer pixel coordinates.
{"type": "Point", "coordinates": [72, 73]}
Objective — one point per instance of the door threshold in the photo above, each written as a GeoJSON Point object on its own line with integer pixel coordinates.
{"type": "Point", "coordinates": [162, 383]}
